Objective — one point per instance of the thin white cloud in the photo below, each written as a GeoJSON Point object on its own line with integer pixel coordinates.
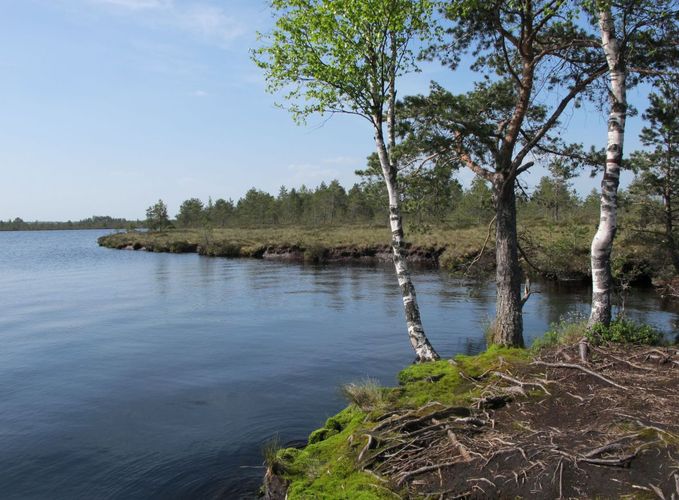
{"type": "Point", "coordinates": [199, 93]}
{"type": "Point", "coordinates": [136, 4]}
{"type": "Point", "coordinates": [210, 23]}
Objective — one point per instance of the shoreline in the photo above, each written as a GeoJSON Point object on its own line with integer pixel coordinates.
{"type": "Point", "coordinates": [463, 252]}
{"type": "Point", "coordinates": [291, 253]}
{"type": "Point", "coordinates": [464, 428]}
{"type": "Point", "coordinates": [460, 252]}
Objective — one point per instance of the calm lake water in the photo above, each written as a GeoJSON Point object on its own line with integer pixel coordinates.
{"type": "Point", "coordinates": [139, 375]}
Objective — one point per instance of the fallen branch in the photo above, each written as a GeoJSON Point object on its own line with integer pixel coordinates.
{"type": "Point", "coordinates": [462, 449]}
{"type": "Point", "coordinates": [581, 368]}
{"type": "Point", "coordinates": [610, 446]}
{"type": "Point", "coordinates": [521, 383]}
{"type": "Point", "coordinates": [633, 365]}
{"type": "Point", "coordinates": [657, 491]}
{"type": "Point", "coordinates": [612, 462]}
{"type": "Point", "coordinates": [366, 447]}
{"type": "Point", "coordinates": [422, 470]}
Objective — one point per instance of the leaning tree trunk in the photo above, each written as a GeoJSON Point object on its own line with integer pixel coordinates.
{"type": "Point", "coordinates": [602, 244]}
{"type": "Point", "coordinates": [418, 339]}
{"type": "Point", "coordinates": [508, 328]}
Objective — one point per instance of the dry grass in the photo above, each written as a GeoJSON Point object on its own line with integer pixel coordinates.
{"type": "Point", "coordinates": [368, 395]}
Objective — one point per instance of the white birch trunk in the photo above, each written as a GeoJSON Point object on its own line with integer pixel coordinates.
{"type": "Point", "coordinates": [602, 244]}
{"type": "Point", "coordinates": [418, 339]}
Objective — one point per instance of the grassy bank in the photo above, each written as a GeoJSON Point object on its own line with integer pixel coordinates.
{"type": "Point", "coordinates": [557, 252]}
{"type": "Point", "coordinates": [505, 423]}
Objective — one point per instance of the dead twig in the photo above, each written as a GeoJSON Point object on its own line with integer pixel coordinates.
{"type": "Point", "coordinates": [366, 447]}
{"type": "Point", "coordinates": [613, 462]}
{"type": "Point", "coordinates": [422, 470]}
{"type": "Point", "coordinates": [520, 382]}
{"type": "Point", "coordinates": [581, 368]}
{"type": "Point", "coordinates": [657, 491]}
{"type": "Point", "coordinates": [629, 363]}
{"type": "Point", "coordinates": [483, 248]}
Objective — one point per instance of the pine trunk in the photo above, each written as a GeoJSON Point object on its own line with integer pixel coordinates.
{"type": "Point", "coordinates": [508, 328]}
{"type": "Point", "coordinates": [602, 244]}
{"type": "Point", "coordinates": [418, 339]}
{"type": "Point", "coordinates": [669, 218]}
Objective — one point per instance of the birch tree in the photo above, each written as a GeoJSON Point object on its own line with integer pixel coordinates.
{"type": "Point", "coordinates": [637, 39]}
{"type": "Point", "coordinates": [345, 56]}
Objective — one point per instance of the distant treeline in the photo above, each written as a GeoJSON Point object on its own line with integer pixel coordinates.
{"type": "Point", "coordinates": [95, 222]}
{"type": "Point", "coordinates": [427, 201]}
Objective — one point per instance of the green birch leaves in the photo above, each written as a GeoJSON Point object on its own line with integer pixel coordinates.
{"type": "Point", "coordinates": [326, 56]}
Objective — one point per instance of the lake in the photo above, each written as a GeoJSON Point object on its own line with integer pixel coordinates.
{"type": "Point", "coordinates": [139, 375]}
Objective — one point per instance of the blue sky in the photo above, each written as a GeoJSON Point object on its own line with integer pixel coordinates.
{"type": "Point", "coordinates": [109, 105]}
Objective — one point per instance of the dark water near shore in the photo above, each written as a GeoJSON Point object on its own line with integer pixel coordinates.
{"type": "Point", "coordinates": [139, 375]}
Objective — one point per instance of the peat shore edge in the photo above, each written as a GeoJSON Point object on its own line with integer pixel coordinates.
{"type": "Point", "coordinates": [312, 253]}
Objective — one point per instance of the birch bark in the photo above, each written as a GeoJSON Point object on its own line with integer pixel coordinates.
{"type": "Point", "coordinates": [602, 244]}
{"type": "Point", "coordinates": [418, 339]}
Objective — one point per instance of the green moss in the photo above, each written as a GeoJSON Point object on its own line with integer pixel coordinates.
{"type": "Point", "coordinates": [320, 435]}
{"type": "Point", "coordinates": [441, 381]}
{"type": "Point", "coordinates": [326, 468]}
{"type": "Point", "coordinates": [491, 359]}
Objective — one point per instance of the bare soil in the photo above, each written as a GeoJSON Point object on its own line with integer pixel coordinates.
{"type": "Point", "coordinates": [554, 428]}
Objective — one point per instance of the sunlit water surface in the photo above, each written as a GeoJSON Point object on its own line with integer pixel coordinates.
{"type": "Point", "coordinates": [139, 375]}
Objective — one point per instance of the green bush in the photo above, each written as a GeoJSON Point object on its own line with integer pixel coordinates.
{"type": "Point", "coordinates": [624, 331]}
{"type": "Point", "coordinates": [569, 329]}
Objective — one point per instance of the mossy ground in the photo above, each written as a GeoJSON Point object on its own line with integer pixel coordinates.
{"type": "Point", "coordinates": [451, 382]}
{"type": "Point", "coordinates": [558, 414]}
{"type": "Point", "coordinates": [327, 466]}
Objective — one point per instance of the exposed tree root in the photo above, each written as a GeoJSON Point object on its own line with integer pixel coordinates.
{"type": "Point", "coordinates": [574, 437]}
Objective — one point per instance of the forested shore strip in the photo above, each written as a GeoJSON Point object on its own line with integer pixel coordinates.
{"type": "Point", "coordinates": [94, 222]}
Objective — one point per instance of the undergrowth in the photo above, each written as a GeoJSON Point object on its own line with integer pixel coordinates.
{"type": "Point", "coordinates": [570, 329]}
{"type": "Point", "coordinates": [624, 331]}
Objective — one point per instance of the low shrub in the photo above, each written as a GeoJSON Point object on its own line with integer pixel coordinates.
{"type": "Point", "coordinates": [569, 329]}
{"type": "Point", "coordinates": [624, 331]}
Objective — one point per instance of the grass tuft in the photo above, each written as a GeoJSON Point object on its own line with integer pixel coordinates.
{"type": "Point", "coordinates": [368, 395]}
{"type": "Point", "coordinates": [568, 330]}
